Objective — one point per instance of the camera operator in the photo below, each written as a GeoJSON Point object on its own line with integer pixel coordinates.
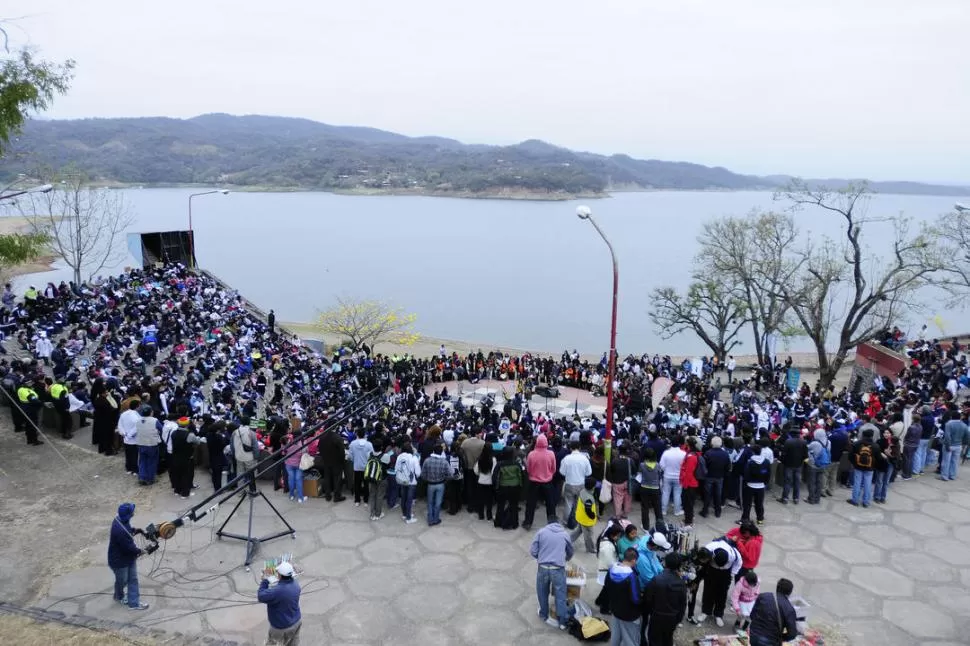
{"type": "Point", "coordinates": [122, 554]}
{"type": "Point", "coordinates": [282, 607]}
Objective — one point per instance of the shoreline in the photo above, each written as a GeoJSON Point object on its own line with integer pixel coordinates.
{"type": "Point", "coordinates": [505, 193]}
{"type": "Point", "coordinates": [10, 224]}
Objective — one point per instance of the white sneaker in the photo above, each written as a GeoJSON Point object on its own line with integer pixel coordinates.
{"type": "Point", "coordinates": [381, 516]}
{"type": "Point", "coordinates": [373, 517]}
{"type": "Point", "coordinates": [700, 618]}
{"type": "Point", "coordinates": [305, 498]}
{"type": "Point", "coordinates": [679, 513]}
{"type": "Point", "coordinates": [191, 493]}
{"type": "Point", "coordinates": [719, 622]}
{"type": "Point", "coordinates": [411, 520]}
{"type": "Point", "coordinates": [356, 504]}
{"type": "Point", "coordinates": [552, 622]}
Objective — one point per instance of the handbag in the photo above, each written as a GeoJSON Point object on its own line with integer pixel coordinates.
{"type": "Point", "coordinates": [306, 462]}
{"type": "Point", "coordinates": [606, 492]}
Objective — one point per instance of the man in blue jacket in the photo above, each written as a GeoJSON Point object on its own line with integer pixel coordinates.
{"type": "Point", "coordinates": [839, 440]}
{"type": "Point", "coordinates": [282, 607]}
{"type": "Point", "coordinates": [122, 554]}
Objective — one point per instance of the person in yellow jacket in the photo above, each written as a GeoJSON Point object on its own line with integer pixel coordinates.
{"type": "Point", "coordinates": [58, 393]}
{"type": "Point", "coordinates": [586, 515]}
{"type": "Point", "coordinates": [30, 407]}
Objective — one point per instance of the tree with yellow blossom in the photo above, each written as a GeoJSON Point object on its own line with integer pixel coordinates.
{"type": "Point", "coordinates": [370, 322]}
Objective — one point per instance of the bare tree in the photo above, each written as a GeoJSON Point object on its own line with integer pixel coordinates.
{"type": "Point", "coordinates": [751, 255]}
{"type": "Point", "coordinates": [843, 291]}
{"type": "Point", "coordinates": [952, 233]}
{"type": "Point", "coordinates": [86, 226]}
{"type": "Point", "coordinates": [709, 309]}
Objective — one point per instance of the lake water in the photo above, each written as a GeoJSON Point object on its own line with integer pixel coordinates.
{"type": "Point", "coordinates": [521, 274]}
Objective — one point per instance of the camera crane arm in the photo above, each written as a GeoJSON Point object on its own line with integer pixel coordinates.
{"type": "Point", "coordinates": [166, 529]}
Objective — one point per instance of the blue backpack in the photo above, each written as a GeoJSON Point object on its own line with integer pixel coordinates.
{"type": "Point", "coordinates": [825, 457]}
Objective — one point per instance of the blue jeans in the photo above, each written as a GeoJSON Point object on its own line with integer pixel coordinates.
{"type": "Point", "coordinates": [552, 579]}
{"type": "Point", "coordinates": [671, 487]}
{"type": "Point", "coordinates": [920, 461]}
{"type": "Point", "coordinates": [393, 491]}
{"type": "Point", "coordinates": [127, 577]}
{"type": "Point", "coordinates": [861, 483]}
{"type": "Point", "coordinates": [951, 461]}
{"type": "Point", "coordinates": [407, 499]}
{"type": "Point", "coordinates": [294, 476]}
{"type": "Point", "coordinates": [793, 477]}
{"type": "Point", "coordinates": [436, 493]}
{"type": "Point", "coordinates": [147, 463]}
{"type": "Point", "coordinates": [880, 483]}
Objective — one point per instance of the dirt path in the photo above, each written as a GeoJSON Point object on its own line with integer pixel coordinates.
{"type": "Point", "coordinates": [55, 518]}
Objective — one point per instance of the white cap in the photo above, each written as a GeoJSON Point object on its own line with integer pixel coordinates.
{"type": "Point", "coordinates": [660, 541]}
{"type": "Point", "coordinates": [284, 569]}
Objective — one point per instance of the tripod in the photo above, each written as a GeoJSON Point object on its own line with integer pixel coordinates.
{"type": "Point", "coordinates": [252, 493]}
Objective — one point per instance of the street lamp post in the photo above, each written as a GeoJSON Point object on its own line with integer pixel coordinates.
{"type": "Point", "coordinates": [43, 188]}
{"type": "Point", "coordinates": [191, 231]}
{"type": "Point", "coordinates": [585, 213]}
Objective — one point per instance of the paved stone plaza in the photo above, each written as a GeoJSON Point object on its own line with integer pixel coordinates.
{"type": "Point", "coordinates": [893, 575]}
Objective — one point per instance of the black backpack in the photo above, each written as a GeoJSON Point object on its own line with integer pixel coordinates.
{"type": "Point", "coordinates": [700, 471]}
{"type": "Point", "coordinates": [757, 471]}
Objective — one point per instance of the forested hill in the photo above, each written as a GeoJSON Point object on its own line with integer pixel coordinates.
{"type": "Point", "coordinates": [280, 152]}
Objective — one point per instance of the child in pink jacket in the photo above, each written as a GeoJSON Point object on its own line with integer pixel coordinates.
{"type": "Point", "coordinates": [743, 595]}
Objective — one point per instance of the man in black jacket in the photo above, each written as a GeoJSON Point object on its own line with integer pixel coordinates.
{"type": "Point", "coordinates": [794, 453]}
{"type": "Point", "coordinates": [332, 459]}
{"type": "Point", "coordinates": [623, 592]}
{"type": "Point", "coordinates": [773, 617]}
{"type": "Point", "coordinates": [666, 601]}
{"type": "Point", "coordinates": [718, 465]}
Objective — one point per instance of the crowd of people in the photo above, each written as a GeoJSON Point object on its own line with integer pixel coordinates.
{"type": "Point", "coordinates": [163, 360]}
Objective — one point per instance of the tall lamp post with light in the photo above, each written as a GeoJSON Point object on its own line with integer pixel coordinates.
{"type": "Point", "coordinates": [585, 213]}
{"type": "Point", "coordinates": [43, 188]}
{"type": "Point", "coordinates": [191, 232]}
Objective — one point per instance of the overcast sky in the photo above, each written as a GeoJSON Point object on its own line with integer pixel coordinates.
{"type": "Point", "coordinates": [819, 88]}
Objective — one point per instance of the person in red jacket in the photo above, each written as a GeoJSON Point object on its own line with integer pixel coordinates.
{"type": "Point", "coordinates": [540, 466]}
{"type": "Point", "coordinates": [748, 539]}
{"type": "Point", "coordinates": [688, 480]}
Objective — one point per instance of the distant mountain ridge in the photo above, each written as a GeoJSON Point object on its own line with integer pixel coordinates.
{"type": "Point", "coordinates": [292, 153]}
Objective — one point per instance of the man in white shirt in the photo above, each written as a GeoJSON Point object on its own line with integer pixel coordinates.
{"type": "Point", "coordinates": [731, 365]}
{"type": "Point", "coordinates": [575, 468]}
{"type": "Point", "coordinates": [128, 430]}
{"type": "Point", "coordinates": [670, 463]}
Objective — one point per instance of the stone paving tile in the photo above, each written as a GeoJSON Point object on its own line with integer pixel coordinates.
{"type": "Point", "coordinates": [851, 550]}
{"type": "Point", "coordinates": [842, 600]}
{"type": "Point", "coordinates": [885, 536]}
{"type": "Point", "coordinates": [812, 565]}
{"type": "Point", "coordinates": [891, 575]}
{"type": "Point", "coordinates": [919, 619]}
